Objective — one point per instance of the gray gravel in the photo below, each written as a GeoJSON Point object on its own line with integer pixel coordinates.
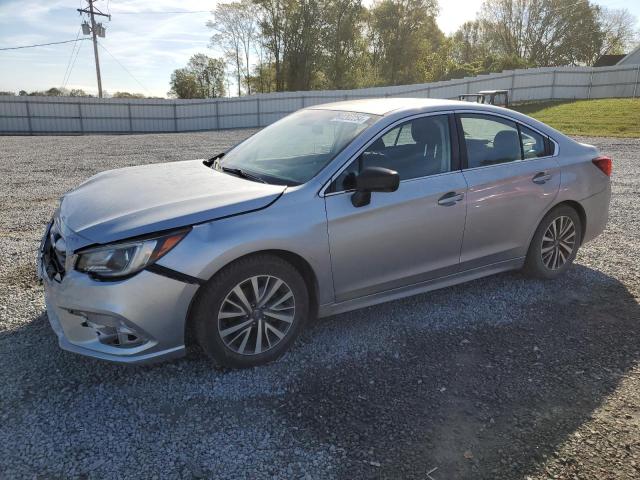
{"type": "Point", "coordinates": [502, 377]}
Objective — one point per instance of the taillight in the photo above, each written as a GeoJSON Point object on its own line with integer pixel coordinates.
{"type": "Point", "coordinates": [605, 164]}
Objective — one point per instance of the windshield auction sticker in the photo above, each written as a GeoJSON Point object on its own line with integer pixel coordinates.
{"type": "Point", "coordinates": [351, 117]}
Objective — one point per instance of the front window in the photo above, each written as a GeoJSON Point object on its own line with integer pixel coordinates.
{"type": "Point", "coordinates": [418, 148]}
{"type": "Point", "coordinates": [295, 149]}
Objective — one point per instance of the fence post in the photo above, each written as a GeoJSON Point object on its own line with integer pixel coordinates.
{"type": "Point", "coordinates": [553, 86]}
{"type": "Point", "coordinates": [130, 119]}
{"type": "Point", "coordinates": [217, 114]}
{"type": "Point", "coordinates": [513, 86]}
{"type": "Point", "coordinates": [590, 84]}
{"type": "Point", "coordinates": [80, 117]}
{"type": "Point", "coordinates": [258, 111]}
{"type": "Point", "coordinates": [302, 101]}
{"type": "Point", "coordinates": [26, 103]}
{"type": "Point", "coordinates": [175, 116]}
{"type": "Point", "coordinates": [428, 92]}
{"type": "Point", "coordinates": [635, 87]}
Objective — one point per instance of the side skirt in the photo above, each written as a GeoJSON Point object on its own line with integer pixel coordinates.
{"type": "Point", "coordinates": [422, 287]}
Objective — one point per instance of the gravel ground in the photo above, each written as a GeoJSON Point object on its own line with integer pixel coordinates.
{"type": "Point", "coordinates": [503, 377]}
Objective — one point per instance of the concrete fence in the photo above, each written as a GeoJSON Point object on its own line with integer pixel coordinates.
{"type": "Point", "coordinates": [75, 115]}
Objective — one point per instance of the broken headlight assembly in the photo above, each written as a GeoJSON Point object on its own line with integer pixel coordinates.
{"type": "Point", "coordinates": [127, 258]}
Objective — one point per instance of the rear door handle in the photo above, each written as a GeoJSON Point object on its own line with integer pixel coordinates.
{"type": "Point", "coordinates": [450, 198]}
{"type": "Point", "coordinates": [541, 178]}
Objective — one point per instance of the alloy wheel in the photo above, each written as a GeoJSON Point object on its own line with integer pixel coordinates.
{"type": "Point", "coordinates": [256, 315]}
{"type": "Point", "coordinates": [558, 242]}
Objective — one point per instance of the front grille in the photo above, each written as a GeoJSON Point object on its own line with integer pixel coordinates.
{"type": "Point", "coordinates": [54, 253]}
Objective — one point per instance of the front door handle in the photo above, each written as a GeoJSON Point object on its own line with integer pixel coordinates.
{"type": "Point", "coordinates": [450, 198]}
{"type": "Point", "coordinates": [541, 178]}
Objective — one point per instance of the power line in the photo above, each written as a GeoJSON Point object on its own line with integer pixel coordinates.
{"type": "Point", "coordinates": [163, 13]}
{"type": "Point", "coordinates": [42, 44]}
{"type": "Point", "coordinates": [73, 64]}
{"type": "Point", "coordinates": [64, 78]}
{"type": "Point", "coordinates": [124, 68]}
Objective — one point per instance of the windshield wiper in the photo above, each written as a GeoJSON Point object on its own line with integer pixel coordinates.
{"type": "Point", "coordinates": [211, 161]}
{"type": "Point", "coordinates": [242, 173]}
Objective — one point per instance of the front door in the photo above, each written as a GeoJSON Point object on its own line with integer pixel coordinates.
{"type": "Point", "coordinates": [407, 236]}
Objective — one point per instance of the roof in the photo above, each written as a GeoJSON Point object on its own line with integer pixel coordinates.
{"type": "Point", "coordinates": [608, 60]}
{"type": "Point", "coordinates": [632, 58]}
{"type": "Point", "coordinates": [383, 106]}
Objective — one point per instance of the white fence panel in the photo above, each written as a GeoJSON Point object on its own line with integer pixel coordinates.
{"type": "Point", "coordinates": [51, 115]}
{"type": "Point", "coordinates": [14, 124]}
{"type": "Point", "coordinates": [13, 109]}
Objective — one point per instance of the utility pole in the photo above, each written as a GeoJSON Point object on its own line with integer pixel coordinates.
{"type": "Point", "coordinates": [95, 29]}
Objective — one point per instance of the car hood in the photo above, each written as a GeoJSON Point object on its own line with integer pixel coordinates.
{"type": "Point", "coordinates": [133, 201]}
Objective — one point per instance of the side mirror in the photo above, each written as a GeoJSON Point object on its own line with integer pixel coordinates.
{"type": "Point", "coordinates": [374, 179]}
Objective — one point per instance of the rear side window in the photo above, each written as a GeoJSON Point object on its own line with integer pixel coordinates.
{"type": "Point", "coordinates": [533, 144]}
{"type": "Point", "coordinates": [490, 140]}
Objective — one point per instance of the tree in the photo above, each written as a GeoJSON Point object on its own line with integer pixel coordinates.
{"type": "Point", "coordinates": [302, 43]}
{"type": "Point", "coordinates": [469, 43]}
{"type": "Point", "coordinates": [184, 84]}
{"type": "Point", "coordinates": [541, 32]}
{"type": "Point", "coordinates": [7, 94]}
{"type": "Point", "coordinates": [343, 43]}
{"type": "Point", "coordinates": [55, 92]}
{"type": "Point", "coordinates": [263, 78]}
{"type": "Point", "coordinates": [128, 95]}
{"type": "Point", "coordinates": [402, 34]}
{"type": "Point", "coordinates": [616, 32]}
{"type": "Point", "coordinates": [78, 92]}
{"type": "Point", "coordinates": [272, 21]}
{"type": "Point", "coordinates": [203, 77]}
{"type": "Point", "coordinates": [209, 74]}
{"type": "Point", "coordinates": [235, 26]}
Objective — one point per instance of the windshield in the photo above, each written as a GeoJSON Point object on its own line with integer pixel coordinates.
{"type": "Point", "coordinates": [294, 149]}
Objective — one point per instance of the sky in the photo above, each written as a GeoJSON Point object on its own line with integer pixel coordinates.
{"type": "Point", "coordinates": [141, 47]}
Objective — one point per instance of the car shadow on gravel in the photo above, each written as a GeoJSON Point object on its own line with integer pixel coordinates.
{"type": "Point", "coordinates": [480, 402]}
{"type": "Point", "coordinates": [472, 399]}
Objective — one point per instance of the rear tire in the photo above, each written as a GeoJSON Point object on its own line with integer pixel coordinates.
{"type": "Point", "coordinates": [251, 312]}
{"type": "Point", "coordinates": [555, 244]}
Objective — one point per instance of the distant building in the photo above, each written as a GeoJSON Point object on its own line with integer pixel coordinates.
{"type": "Point", "coordinates": [608, 60]}
{"type": "Point", "coordinates": [632, 58]}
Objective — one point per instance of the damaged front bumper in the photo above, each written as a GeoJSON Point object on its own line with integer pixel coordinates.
{"type": "Point", "coordinates": [140, 319]}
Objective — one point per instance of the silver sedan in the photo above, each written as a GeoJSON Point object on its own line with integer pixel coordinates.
{"type": "Point", "coordinates": [332, 208]}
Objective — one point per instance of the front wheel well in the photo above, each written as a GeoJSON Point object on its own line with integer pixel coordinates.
{"type": "Point", "coordinates": [298, 262]}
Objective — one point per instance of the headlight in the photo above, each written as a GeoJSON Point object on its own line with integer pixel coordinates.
{"type": "Point", "coordinates": [126, 258]}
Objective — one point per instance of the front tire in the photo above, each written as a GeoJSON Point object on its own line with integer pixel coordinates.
{"type": "Point", "coordinates": [555, 244]}
{"type": "Point", "coordinates": [251, 312]}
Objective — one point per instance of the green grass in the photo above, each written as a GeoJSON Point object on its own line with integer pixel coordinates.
{"type": "Point", "coordinates": [612, 117]}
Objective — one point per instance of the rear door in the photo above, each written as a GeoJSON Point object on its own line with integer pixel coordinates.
{"type": "Point", "coordinates": [402, 237]}
{"type": "Point", "coordinates": [513, 179]}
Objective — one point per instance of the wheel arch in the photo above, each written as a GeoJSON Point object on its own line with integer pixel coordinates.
{"type": "Point", "coordinates": [579, 210]}
{"type": "Point", "coordinates": [298, 262]}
